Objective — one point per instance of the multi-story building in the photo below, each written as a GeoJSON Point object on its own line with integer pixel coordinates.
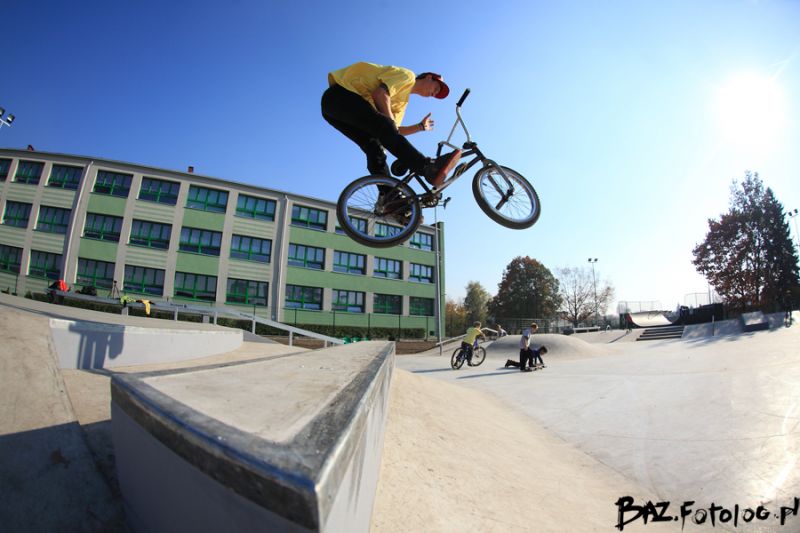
{"type": "Point", "coordinates": [179, 236]}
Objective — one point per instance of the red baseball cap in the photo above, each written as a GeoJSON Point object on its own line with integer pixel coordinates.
{"type": "Point", "coordinates": [444, 90]}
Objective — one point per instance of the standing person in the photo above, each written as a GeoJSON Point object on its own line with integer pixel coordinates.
{"type": "Point", "coordinates": [525, 352]}
{"type": "Point", "coordinates": [367, 103]}
{"type": "Point", "coordinates": [470, 337]}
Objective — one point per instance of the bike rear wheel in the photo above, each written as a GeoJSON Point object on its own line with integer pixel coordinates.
{"type": "Point", "coordinates": [457, 360]}
{"type": "Point", "coordinates": [478, 356]}
{"type": "Point", "coordinates": [511, 202]}
{"type": "Point", "coordinates": [362, 206]}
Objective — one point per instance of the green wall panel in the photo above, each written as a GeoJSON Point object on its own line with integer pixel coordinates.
{"type": "Point", "coordinates": [47, 242]}
{"type": "Point", "coordinates": [20, 192]}
{"type": "Point", "coordinates": [12, 236]}
{"type": "Point", "coordinates": [100, 250]}
{"type": "Point", "coordinates": [197, 264]}
{"type": "Point", "coordinates": [58, 197]}
{"type": "Point", "coordinates": [254, 228]}
{"type": "Point", "coordinates": [195, 218]}
{"type": "Point", "coordinates": [146, 257]}
{"type": "Point", "coordinates": [106, 205]}
{"type": "Point", "coordinates": [154, 212]}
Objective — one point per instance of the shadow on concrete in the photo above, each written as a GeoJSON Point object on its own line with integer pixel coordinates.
{"type": "Point", "coordinates": [49, 482]}
{"type": "Point", "coordinates": [97, 346]}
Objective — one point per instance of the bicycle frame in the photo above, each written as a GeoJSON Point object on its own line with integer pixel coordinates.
{"type": "Point", "coordinates": [469, 149]}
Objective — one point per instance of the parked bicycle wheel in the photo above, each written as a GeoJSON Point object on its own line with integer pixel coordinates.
{"type": "Point", "coordinates": [511, 202]}
{"type": "Point", "coordinates": [457, 360]}
{"type": "Point", "coordinates": [478, 355]}
{"type": "Point", "coordinates": [364, 203]}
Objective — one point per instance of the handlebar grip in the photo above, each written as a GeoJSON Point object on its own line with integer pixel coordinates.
{"type": "Point", "coordinates": [463, 97]}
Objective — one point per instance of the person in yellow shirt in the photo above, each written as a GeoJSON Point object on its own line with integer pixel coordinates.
{"type": "Point", "coordinates": [367, 103]}
{"type": "Point", "coordinates": [470, 337]}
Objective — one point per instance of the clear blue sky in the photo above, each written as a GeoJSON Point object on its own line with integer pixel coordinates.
{"type": "Point", "coordinates": [630, 118]}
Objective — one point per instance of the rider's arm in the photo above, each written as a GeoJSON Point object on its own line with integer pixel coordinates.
{"type": "Point", "coordinates": [382, 101]}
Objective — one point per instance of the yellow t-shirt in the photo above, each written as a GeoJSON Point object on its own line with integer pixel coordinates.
{"type": "Point", "coordinates": [363, 78]}
{"type": "Point", "coordinates": [472, 334]}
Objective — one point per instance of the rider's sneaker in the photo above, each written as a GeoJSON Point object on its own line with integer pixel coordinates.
{"type": "Point", "coordinates": [436, 170]}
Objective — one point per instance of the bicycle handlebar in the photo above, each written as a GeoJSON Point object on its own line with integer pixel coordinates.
{"type": "Point", "coordinates": [463, 97]}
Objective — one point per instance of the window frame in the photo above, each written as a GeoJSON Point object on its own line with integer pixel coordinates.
{"type": "Point", "coordinates": [53, 219]}
{"type": "Point", "coordinates": [46, 269]}
{"type": "Point", "coordinates": [382, 302]}
{"type": "Point", "coordinates": [26, 171]}
{"type": "Point", "coordinates": [138, 223]}
{"type": "Point", "coordinates": [113, 183]}
{"type": "Point", "coordinates": [292, 259]}
{"type": "Point", "coordinates": [247, 299]}
{"type": "Point", "coordinates": [347, 306]}
{"type": "Point", "coordinates": [142, 286]}
{"type": "Point", "coordinates": [7, 263]}
{"type": "Point", "coordinates": [16, 218]}
{"type": "Point", "coordinates": [248, 254]}
{"type": "Point", "coordinates": [379, 271]}
{"type": "Point", "coordinates": [305, 221]}
{"type": "Point", "coordinates": [347, 266]}
{"type": "Point", "coordinates": [5, 168]}
{"type": "Point", "coordinates": [70, 179]}
{"type": "Point", "coordinates": [417, 306]}
{"type": "Point", "coordinates": [159, 196]}
{"type": "Point", "coordinates": [418, 277]}
{"type": "Point", "coordinates": [91, 279]}
{"type": "Point", "coordinates": [193, 200]}
{"type": "Point", "coordinates": [213, 248]}
{"type": "Point", "coordinates": [266, 215]}
{"type": "Point", "coordinates": [114, 235]}
{"type": "Point", "coordinates": [194, 290]}
{"type": "Point", "coordinates": [303, 301]}
{"type": "Point", "coordinates": [416, 244]}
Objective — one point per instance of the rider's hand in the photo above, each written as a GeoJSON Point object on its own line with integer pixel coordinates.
{"type": "Point", "coordinates": [427, 123]}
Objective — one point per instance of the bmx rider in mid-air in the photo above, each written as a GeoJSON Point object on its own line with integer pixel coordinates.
{"type": "Point", "coordinates": [367, 102]}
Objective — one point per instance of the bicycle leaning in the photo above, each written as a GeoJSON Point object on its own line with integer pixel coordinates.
{"type": "Point", "coordinates": [502, 193]}
{"type": "Point", "coordinates": [460, 355]}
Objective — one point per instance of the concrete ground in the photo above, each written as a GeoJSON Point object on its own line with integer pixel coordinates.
{"type": "Point", "coordinates": [479, 449]}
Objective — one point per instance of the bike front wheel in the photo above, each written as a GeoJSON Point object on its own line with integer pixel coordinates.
{"type": "Point", "coordinates": [506, 197]}
{"type": "Point", "coordinates": [378, 211]}
{"type": "Point", "coordinates": [457, 360]}
{"type": "Point", "coordinates": [478, 356]}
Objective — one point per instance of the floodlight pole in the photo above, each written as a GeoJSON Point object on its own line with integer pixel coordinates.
{"type": "Point", "coordinates": [5, 120]}
{"type": "Point", "coordinates": [594, 283]}
{"type": "Point", "coordinates": [793, 216]}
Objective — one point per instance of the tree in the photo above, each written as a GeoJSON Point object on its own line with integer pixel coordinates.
{"type": "Point", "coordinates": [528, 290]}
{"type": "Point", "coordinates": [748, 255]}
{"type": "Point", "coordinates": [476, 302]}
{"type": "Point", "coordinates": [576, 289]}
{"type": "Point", "coordinates": [455, 315]}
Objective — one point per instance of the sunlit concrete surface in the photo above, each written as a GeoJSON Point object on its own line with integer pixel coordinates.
{"type": "Point", "coordinates": [712, 419]}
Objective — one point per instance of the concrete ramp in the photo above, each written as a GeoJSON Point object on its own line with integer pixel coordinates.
{"type": "Point", "coordinates": [650, 319]}
{"type": "Point", "coordinates": [562, 346]}
{"type": "Point", "coordinates": [287, 444]}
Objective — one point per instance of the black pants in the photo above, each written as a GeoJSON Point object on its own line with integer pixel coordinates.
{"type": "Point", "coordinates": [468, 348]}
{"type": "Point", "coordinates": [525, 358]}
{"type": "Point", "coordinates": [370, 130]}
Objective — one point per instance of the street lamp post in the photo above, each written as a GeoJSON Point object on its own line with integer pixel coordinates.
{"type": "Point", "coordinates": [594, 283]}
{"type": "Point", "coordinates": [793, 216]}
{"type": "Point", "coordinates": [5, 120]}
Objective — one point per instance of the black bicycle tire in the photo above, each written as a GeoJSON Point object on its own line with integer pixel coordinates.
{"type": "Point", "coordinates": [499, 218]}
{"type": "Point", "coordinates": [369, 240]}
{"type": "Point", "coordinates": [477, 360]}
{"type": "Point", "coordinates": [456, 363]}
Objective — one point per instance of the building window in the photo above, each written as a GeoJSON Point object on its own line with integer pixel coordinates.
{"type": "Point", "coordinates": [45, 265]}
{"type": "Point", "coordinates": [195, 286]}
{"type": "Point", "coordinates": [422, 241]}
{"type": "Point", "coordinates": [359, 223]}
{"type": "Point", "coordinates": [65, 177]}
{"type": "Point", "coordinates": [144, 280]}
{"type": "Point", "coordinates": [349, 262]}
{"type": "Point", "coordinates": [102, 227]}
{"type": "Point", "coordinates": [387, 268]}
{"type": "Point", "coordinates": [420, 306]}
{"type": "Point", "coordinates": [388, 304]}
{"type": "Point", "coordinates": [200, 241]}
{"type": "Point", "coordinates": [298, 297]}
{"type": "Point", "coordinates": [53, 219]}
{"type": "Point", "coordinates": [5, 166]}
{"type": "Point", "coordinates": [204, 199]}
{"type": "Point", "coordinates": [245, 291]}
{"type": "Point", "coordinates": [98, 274]}
{"type": "Point", "coordinates": [386, 230]}
{"type": "Point", "coordinates": [150, 234]}
{"type": "Point", "coordinates": [307, 217]}
{"type": "Point", "coordinates": [420, 273]}
{"type": "Point", "coordinates": [258, 208]}
{"type": "Point", "coordinates": [17, 214]}
{"type": "Point", "coordinates": [350, 301]}
{"type": "Point", "coordinates": [112, 183]}
{"type": "Point", "coordinates": [251, 248]}
{"type": "Point", "coordinates": [159, 191]}
{"type": "Point", "coordinates": [10, 258]}
{"type": "Point", "coordinates": [29, 172]}
{"type": "Point", "coordinates": [306, 256]}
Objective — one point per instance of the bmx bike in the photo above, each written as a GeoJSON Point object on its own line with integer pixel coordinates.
{"type": "Point", "coordinates": [383, 211]}
{"type": "Point", "coordinates": [460, 355]}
